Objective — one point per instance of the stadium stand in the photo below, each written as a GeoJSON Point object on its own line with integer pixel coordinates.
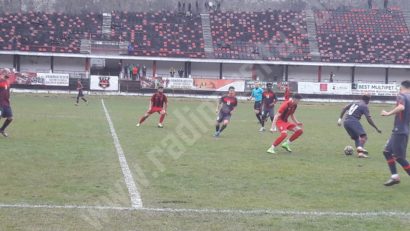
{"type": "Point", "coordinates": [363, 36]}
{"type": "Point", "coordinates": [343, 35]}
{"type": "Point", "coordinates": [164, 34]}
{"type": "Point", "coordinates": [268, 35]}
{"type": "Point", "coordinates": [43, 32]}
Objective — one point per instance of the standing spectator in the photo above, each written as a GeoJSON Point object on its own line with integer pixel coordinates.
{"type": "Point", "coordinates": [179, 6]}
{"type": "Point", "coordinates": [183, 7]}
{"type": "Point", "coordinates": [144, 71]}
{"type": "Point", "coordinates": [172, 72]}
{"type": "Point", "coordinates": [206, 5]}
{"type": "Point", "coordinates": [130, 70]}
{"type": "Point", "coordinates": [386, 4]}
{"type": "Point", "coordinates": [138, 71]}
{"type": "Point", "coordinates": [189, 7]}
{"type": "Point", "coordinates": [126, 71]}
{"type": "Point", "coordinates": [218, 6]}
{"type": "Point", "coordinates": [197, 6]}
{"type": "Point", "coordinates": [370, 3]}
{"type": "Point", "coordinates": [331, 77]}
{"type": "Point", "coordinates": [134, 72]}
{"type": "Point", "coordinates": [180, 73]}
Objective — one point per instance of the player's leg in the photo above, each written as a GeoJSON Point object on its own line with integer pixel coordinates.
{"type": "Point", "coordinates": [297, 132]}
{"type": "Point", "coordinates": [257, 109]}
{"type": "Point", "coordinates": [225, 121]}
{"type": "Point", "coordinates": [161, 118]}
{"type": "Point", "coordinates": [263, 120]}
{"type": "Point", "coordinates": [8, 114]}
{"type": "Point", "coordinates": [144, 117]}
{"type": "Point", "coordinates": [283, 134]}
{"type": "Point", "coordinates": [391, 162]}
{"type": "Point", "coordinates": [399, 151]}
{"type": "Point", "coordinates": [219, 120]}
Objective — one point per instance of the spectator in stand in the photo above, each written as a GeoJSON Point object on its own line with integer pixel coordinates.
{"type": "Point", "coordinates": [206, 5]}
{"type": "Point", "coordinates": [197, 6]}
{"type": "Point", "coordinates": [183, 7]}
{"type": "Point", "coordinates": [386, 4]}
{"type": "Point", "coordinates": [179, 6]}
{"type": "Point", "coordinates": [172, 72]}
{"type": "Point", "coordinates": [189, 7]}
{"type": "Point", "coordinates": [181, 73]}
{"type": "Point", "coordinates": [130, 69]}
{"type": "Point", "coordinates": [126, 71]}
{"type": "Point", "coordinates": [144, 71]}
{"type": "Point", "coordinates": [218, 6]}
{"type": "Point", "coordinates": [370, 3]}
{"type": "Point", "coordinates": [331, 77]}
{"type": "Point", "coordinates": [138, 72]}
{"type": "Point", "coordinates": [134, 72]}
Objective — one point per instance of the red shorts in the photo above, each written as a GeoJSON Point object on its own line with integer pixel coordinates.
{"type": "Point", "coordinates": [155, 109]}
{"type": "Point", "coordinates": [283, 126]}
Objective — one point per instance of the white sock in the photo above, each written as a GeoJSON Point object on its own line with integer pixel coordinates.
{"type": "Point", "coordinates": [395, 176]}
{"type": "Point", "coordinates": [288, 141]}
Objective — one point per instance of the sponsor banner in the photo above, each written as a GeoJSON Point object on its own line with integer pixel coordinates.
{"type": "Point", "coordinates": [375, 89]}
{"type": "Point", "coordinates": [276, 87]}
{"type": "Point", "coordinates": [178, 83]}
{"type": "Point", "coordinates": [219, 84]}
{"type": "Point", "coordinates": [104, 83]}
{"type": "Point", "coordinates": [54, 79]}
{"type": "Point", "coordinates": [325, 88]}
{"type": "Point", "coordinates": [45, 79]}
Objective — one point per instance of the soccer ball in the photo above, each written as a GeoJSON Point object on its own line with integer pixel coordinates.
{"type": "Point", "coordinates": [348, 150]}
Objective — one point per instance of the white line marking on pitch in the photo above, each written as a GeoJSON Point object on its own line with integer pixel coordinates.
{"type": "Point", "coordinates": [220, 211]}
{"type": "Point", "coordinates": [135, 196]}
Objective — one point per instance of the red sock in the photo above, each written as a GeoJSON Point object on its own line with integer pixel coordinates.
{"type": "Point", "coordinates": [161, 119]}
{"type": "Point", "coordinates": [279, 140]}
{"type": "Point", "coordinates": [296, 135]}
{"type": "Point", "coordinates": [143, 119]}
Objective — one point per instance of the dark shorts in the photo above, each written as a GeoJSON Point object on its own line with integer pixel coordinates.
{"type": "Point", "coordinates": [80, 93]}
{"type": "Point", "coordinates": [397, 145]}
{"type": "Point", "coordinates": [6, 112]}
{"type": "Point", "coordinates": [354, 129]}
{"type": "Point", "coordinates": [268, 112]}
{"type": "Point", "coordinates": [257, 105]}
{"type": "Point", "coordinates": [223, 116]}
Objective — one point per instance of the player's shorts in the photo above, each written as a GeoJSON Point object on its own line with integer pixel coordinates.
{"type": "Point", "coordinates": [257, 105]}
{"type": "Point", "coordinates": [354, 129]}
{"type": "Point", "coordinates": [6, 112]}
{"type": "Point", "coordinates": [155, 109]}
{"type": "Point", "coordinates": [222, 116]}
{"type": "Point", "coordinates": [397, 145]}
{"type": "Point", "coordinates": [268, 112]}
{"type": "Point", "coordinates": [284, 126]}
{"type": "Point", "coordinates": [80, 93]}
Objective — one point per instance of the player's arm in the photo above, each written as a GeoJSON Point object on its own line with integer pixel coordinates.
{"type": "Point", "coordinates": [293, 117]}
{"type": "Point", "coordinates": [370, 121]}
{"type": "Point", "coordinates": [275, 99]}
{"type": "Point", "coordinates": [344, 110]}
{"type": "Point", "coordinates": [399, 108]}
{"type": "Point", "coordinates": [218, 106]}
{"type": "Point", "coordinates": [251, 96]}
{"type": "Point", "coordinates": [275, 118]}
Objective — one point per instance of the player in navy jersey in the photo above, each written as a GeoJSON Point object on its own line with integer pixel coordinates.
{"type": "Point", "coordinates": [6, 80]}
{"type": "Point", "coordinates": [395, 149]}
{"type": "Point", "coordinates": [269, 100]}
{"type": "Point", "coordinates": [353, 126]}
{"type": "Point", "coordinates": [225, 107]}
{"type": "Point", "coordinates": [158, 104]}
{"type": "Point", "coordinates": [80, 92]}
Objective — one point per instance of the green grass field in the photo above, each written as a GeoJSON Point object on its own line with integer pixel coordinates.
{"type": "Point", "coordinates": [59, 154]}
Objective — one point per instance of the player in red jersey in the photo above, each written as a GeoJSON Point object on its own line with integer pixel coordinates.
{"type": "Point", "coordinates": [286, 110]}
{"type": "Point", "coordinates": [225, 107]}
{"type": "Point", "coordinates": [6, 79]}
{"type": "Point", "coordinates": [80, 92]}
{"type": "Point", "coordinates": [159, 104]}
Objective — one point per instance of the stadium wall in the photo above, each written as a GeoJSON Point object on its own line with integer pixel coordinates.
{"type": "Point", "coordinates": [6, 61]}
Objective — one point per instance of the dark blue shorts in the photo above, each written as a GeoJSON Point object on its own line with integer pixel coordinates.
{"type": "Point", "coordinates": [6, 112]}
{"type": "Point", "coordinates": [354, 129]}
{"type": "Point", "coordinates": [268, 112]}
{"type": "Point", "coordinates": [397, 145]}
{"type": "Point", "coordinates": [257, 105]}
{"type": "Point", "coordinates": [223, 116]}
{"type": "Point", "coordinates": [80, 93]}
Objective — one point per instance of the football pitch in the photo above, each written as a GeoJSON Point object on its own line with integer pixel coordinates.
{"type": "Point", "coordinates": [88, 167]}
